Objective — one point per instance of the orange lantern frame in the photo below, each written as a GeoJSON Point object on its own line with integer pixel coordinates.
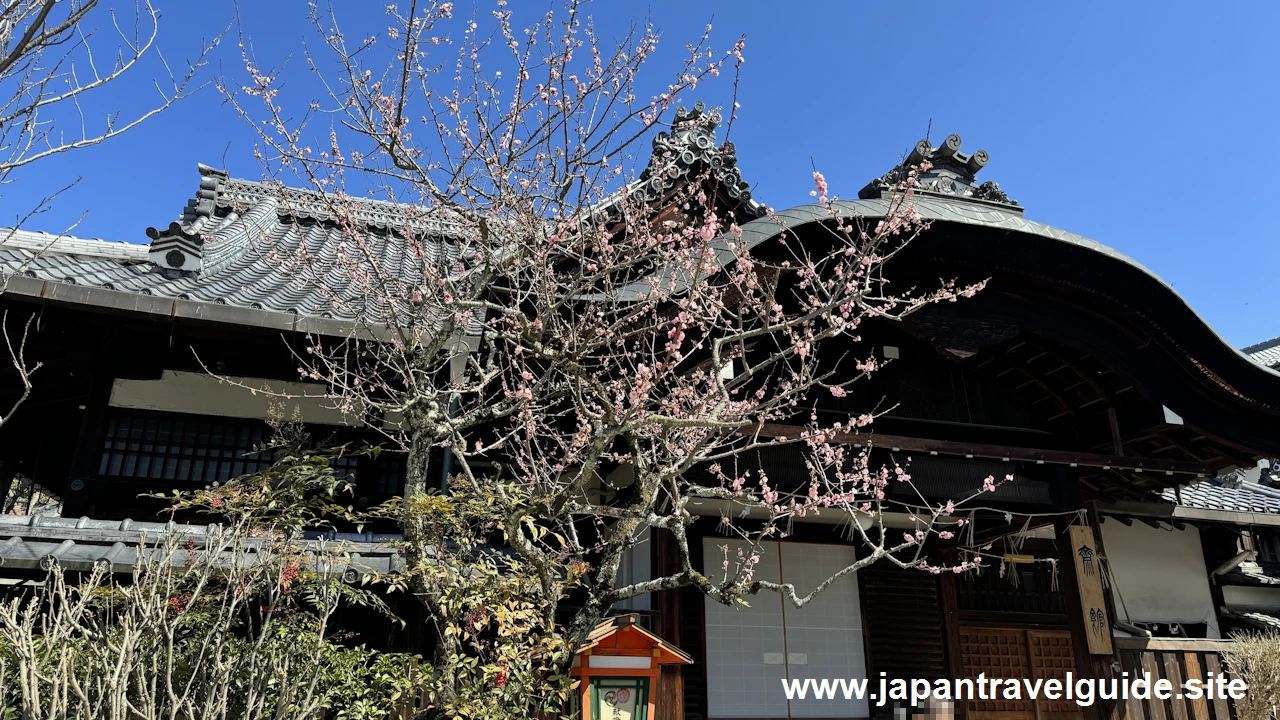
{"type": "Point", "coordinates": [619, 648]}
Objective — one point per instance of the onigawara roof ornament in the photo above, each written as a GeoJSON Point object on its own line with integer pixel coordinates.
{"type": "Point", "coordinates": [175, 251]}
{"type": "Point", "coordinates": [691, 147]}
{"type": "Point", "coordinates": [951, 174]}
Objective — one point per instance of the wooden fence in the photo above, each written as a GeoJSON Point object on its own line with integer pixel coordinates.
{"type": "Point", "coordinates": [1176, 661]}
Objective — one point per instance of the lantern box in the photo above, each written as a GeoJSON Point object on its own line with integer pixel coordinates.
{"type": "Point", "coordinates": [618, 668]}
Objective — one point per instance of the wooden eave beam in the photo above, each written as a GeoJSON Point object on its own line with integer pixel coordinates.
{"type": "Point", "coordinates": [1119, 481]}
{"type": "Point", "coordinates": [990, 452]}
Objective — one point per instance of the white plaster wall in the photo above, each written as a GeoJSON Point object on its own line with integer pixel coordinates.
{"type": "Point", "coordinates": [203, 394]}
{"type": "Point", "coordinates": [1160, 575]}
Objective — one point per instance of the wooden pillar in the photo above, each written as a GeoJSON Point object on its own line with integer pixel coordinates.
{"type": "Point", "coordinates": [1115, 710]}
{"type": "Point", "coordinates": [1095, 519]}
{"type": "Point", "coordinates": [670, 684]}
{"type": "Point", "coordinates": [84, 465]}
{"type": "Point", "coordinates": [951, 625]}
{"type": "Point", "coordinates": [584, 690]}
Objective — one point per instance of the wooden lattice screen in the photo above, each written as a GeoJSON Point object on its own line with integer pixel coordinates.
{"type": "Point", "coordinates": [1016, 653]}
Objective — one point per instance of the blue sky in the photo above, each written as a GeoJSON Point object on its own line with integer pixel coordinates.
{"type": "Point", "coordinates": [1145, 126]}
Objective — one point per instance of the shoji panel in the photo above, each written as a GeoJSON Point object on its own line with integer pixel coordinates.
{"type": "Point", "coordinates": [635, 568]}
{"type": "Point", "coordinates": [751, 649]}
{"type": "Point", "coordinates": [745, 651]}
{"type": "Point", "coordinates": [824, 638]}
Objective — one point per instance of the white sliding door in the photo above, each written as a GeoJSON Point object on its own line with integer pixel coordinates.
{"type": "Point", "coordinates": [745, 649]}
{"type": "Point", "coordinates": [633, 569]}
{"type": "Point", "coordinates": [751, 649]}
{"type": "Point", "coordinates": [824, 639]}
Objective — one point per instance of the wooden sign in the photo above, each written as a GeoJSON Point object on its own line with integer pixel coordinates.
{"type": "Point", "coordinates": [1097, 626]}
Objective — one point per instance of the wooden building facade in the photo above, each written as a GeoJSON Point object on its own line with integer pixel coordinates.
{"type": "Point", "coordinates": [1077, 372]}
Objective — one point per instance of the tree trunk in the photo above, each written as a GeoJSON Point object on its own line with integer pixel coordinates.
{"type": "Point", "coordinates": [417, 483]}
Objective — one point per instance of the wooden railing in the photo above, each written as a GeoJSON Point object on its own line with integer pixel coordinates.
{"type": "Point", "coordinates": [1176, 661]}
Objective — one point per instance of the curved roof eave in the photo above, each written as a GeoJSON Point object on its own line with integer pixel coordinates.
{"type": "Point", "coordinates": [965, 213]}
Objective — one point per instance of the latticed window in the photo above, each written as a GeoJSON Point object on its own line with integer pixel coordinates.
{"type": "Point", "coordinates": [181, 448]}
{"type": "Point", "coordinates": [199, 449]}
{"type": "Point", "coordinates": [391, 470]}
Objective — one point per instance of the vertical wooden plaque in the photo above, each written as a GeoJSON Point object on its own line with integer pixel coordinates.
{"type": "Point", "coordinates": [1093, 603]}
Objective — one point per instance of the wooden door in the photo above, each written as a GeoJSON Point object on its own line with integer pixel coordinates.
{"type": "Point", "coordinates": [1020, 654]}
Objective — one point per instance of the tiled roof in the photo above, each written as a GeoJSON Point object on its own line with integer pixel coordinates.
{"type": "Point", "coordinates": [1250, 497]}
{"type": "Point", "coordinates": [259, 246]}
{"type": "Point", "coordinates": [1252, 572]}
{"type": "Point", "coordinates": [1265, 353]}
{"type": "Point", "coordinates": [37, 541]}
{"type": "Point", "coordinates": [1256, 618]}
{"type": "Point", "coordinates": [252, 237]}
{"type": "Point", "coordinates": [47, 243]}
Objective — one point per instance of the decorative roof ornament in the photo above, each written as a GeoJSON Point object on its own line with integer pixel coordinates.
{"type": "Point", "coordinates": [205, 202]}
{"type": "Point", "coordinates": [220, 195]}
{"type": "Point", "coordinates": [690, 147]}
{"type": "Point", "coordinates": [176, 251]}
{"type": "Point", "coordinates": [1232, 479]}
{"type": "Point", "coordinates": [1270, 475]}
{"type": "Point", "coordinates": [951, 175]}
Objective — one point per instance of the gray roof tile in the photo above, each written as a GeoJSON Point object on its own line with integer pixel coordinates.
{"type": "Point", "coordinates": [1252, 572]}
{"type": "Point", "coordinates": [265, 247]}
{"type": "Point", "coordinates": [1266, 621]}
{"type": "Point", "coordinates": [1214, 495]}
{"type": "Point", "coordinates": [1266, 353]}
{"type": "Point", "coordinates": [48, 243]}
{"type": "Point", "coordinates": [36, 541]}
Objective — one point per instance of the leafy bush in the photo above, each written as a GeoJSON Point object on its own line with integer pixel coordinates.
{"type": "Point", "coordinates": [235, 624]}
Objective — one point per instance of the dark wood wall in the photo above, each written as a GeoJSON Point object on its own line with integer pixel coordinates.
{"type": "Point", "coordinates": [903, 624]}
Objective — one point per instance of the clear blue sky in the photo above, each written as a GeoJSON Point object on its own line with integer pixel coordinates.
{"type": "Point", "coordinates": [1145, 126]}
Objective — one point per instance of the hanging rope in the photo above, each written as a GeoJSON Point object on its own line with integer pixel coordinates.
{"type": "Point", "coordinates": [1119, 594]}
{"type": "Point", "coordinates": [1012, 572]}
{"type": "Point", "coordinates": [1016, 541]}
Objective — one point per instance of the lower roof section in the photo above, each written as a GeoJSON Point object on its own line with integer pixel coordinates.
{"type": "Point", "coordinates": [39, 542]}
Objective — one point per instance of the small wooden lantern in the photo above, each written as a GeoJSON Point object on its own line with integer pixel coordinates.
{"type": "Point", "coordinates": [618, 670]}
